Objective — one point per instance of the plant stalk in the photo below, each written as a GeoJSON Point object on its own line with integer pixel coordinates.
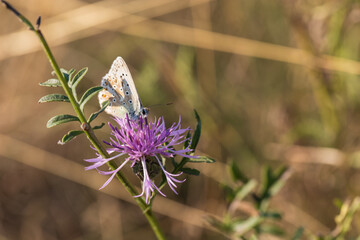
{"type": "Point", "coordinates": [86, 126]}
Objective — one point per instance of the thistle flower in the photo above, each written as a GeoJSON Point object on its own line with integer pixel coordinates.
{"type": "Point", "coordinates": [146, 146]}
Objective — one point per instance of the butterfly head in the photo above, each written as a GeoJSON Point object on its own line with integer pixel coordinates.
{"type": "Point", "coordinates": [144, 112]}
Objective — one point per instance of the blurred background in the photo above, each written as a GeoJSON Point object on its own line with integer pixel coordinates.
{"type": "Point", "coordinates": [274, 82]}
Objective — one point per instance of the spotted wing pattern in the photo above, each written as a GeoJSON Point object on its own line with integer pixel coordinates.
{"type": "Point", "coordinates": [119, 89]}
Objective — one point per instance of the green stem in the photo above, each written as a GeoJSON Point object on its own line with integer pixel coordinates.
{"type": "Point", "coordinates": [86, 126]}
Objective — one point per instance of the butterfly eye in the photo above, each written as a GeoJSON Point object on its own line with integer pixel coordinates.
{"type": "Point", "coordinates": [145, 112]}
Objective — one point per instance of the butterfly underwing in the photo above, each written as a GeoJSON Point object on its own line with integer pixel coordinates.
{"type": "Point", "coordinates": [119, 89]}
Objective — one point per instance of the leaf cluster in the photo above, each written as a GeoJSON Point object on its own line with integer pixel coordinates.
{"type": "Point", "coordinates": [72, 80]}
{"type": "Point", "coordinates": [192, 143]}
{"type": "Point", "coordinates": [255, 217]}
{"type": "Point", "coordinates": [248, 215]}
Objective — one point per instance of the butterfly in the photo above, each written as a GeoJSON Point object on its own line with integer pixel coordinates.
{"type": "Point", "coordinates": [119, 90]}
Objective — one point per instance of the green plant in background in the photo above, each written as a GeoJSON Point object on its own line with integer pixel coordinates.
{"type": "Point", "coordinates": [145, 142]}
{"type": "Point", "coordinates": [248, 215]}
{"type": "Point", "coordinates": [259, 219]}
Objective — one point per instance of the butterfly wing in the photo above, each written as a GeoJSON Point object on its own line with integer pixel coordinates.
{"type": "Point", "coordinates": [119, 89]}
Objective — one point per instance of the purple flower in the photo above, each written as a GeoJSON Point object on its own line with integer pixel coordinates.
{"type": "Point", "coordinates": [146, 146]}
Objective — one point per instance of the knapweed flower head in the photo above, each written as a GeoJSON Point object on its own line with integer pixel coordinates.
{"type": "Point", "coordinates": [146, 145]}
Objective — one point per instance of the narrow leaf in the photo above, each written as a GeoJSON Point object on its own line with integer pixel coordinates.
{"type": "Point", "coordinates": [266, 180]}
{"type": "Point", "coordinates": [95, 114]}
{"type": "Point", "coordinates": [253, 237]}
{"type": "Point", "coordinates": [99, 126]}
{"type": "Point", "coordinates": [175, 164]}
{"type": "Point", "coordinates": [187, 142]}
{"type": "Point", "coordinates": [236, 173]}
{"type": "Point", "coordinates": [60, 119]}
{"type": "Point", "coordinates": [54, 98]}
{"type": "Point", "coordinates": [229, 192]}
{"type": "Point", "coordinates": [69, 136]}
{"type": "Point", "coordinates": [67, 74]}
{"type": "Point", "coordinates": [272, 229]}
{"type": "Point", "coordinates": [88, 95]}
{"type": "Point", "coordinates": [278, 180]}
{"type": "Point", "coordinates": [274, 215]}
{"type": "Point", "coordinates": [202, 159]}
{"type": "Point", "coordinates": [272, 181]}
{"type": "Point", "coordinates": [51, 83]}
{"type": "Point", "coordinates": [78, 76]}
{"type": "Point", "coordinates": [197, 132]}
{"type": "Point", "coordinates": [298, 234]}
{"type": "Point", "coordinates": [245, 226]}
{"type": "Point", "coordinates": [190, 171]}
{"type": "Point", "coordinates": [220, 225]}
{"type": "Point", "coordinates": [246, 189]}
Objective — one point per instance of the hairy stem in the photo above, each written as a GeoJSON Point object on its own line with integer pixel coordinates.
{"type": "Point", "coordinates": [85, 125]}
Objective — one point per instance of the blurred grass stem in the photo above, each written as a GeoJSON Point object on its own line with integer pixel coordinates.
{"type": "Point", "coordinates": [86, 126]}
{"type": "Point", "coordinates": [321, 80]}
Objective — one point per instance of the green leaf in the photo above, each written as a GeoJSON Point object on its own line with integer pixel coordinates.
{"type": "Point", "coordinates": [175, 164]}
{"type": "Point", "coordinates": [202, 159]}
{"type": "Point", "coordinates": [54, 98]}
{"type": "Point", "coordinates": [188, 138]}
{"type": "Point", "coordinates": [242, 227]}
{"type": "Point", "coordinates": [67, 74]}
{"type": "Point", "coordinates": [272, 181]}
{"type": "Point", "coordinates": [273, 215]}
{"type": "Point", "coordinates": [253, 237]}
{"type": "Point", "coordinates": [278, 181]}
{"type": "Point", "coordinates": [228, 192]}
{"type": "Point", "coordinates": [220, 225]}
{"type": "Point", "coordinates": [99, 126]}
{"type": "Point", "coordinates": [236, 173]}
{"type": "Point", "coordinates": [88, 95]}
{"type": "Point", "coordinates": [338, 203]}
{"type": "Point", "coordinates": [53, 82]}
{"type": "Point", "coordinates": [95, 114]}
{"type": "Point", "coordinates": [78, 76]}
{"type": "Point", "coordinates": [272, 229]}
{"type": "Point", "coordinates": [60, 119]}
{"type": "Point", "coordinates": [197, 132]}
{"type": "Point", "coordinates": [246, 189]}
{"type": "Point", "coordinates": [191, 171]}
{"type": "Point", "coordinates": [298, 234]}
{"type": "Point", "coordinates": [69, 136]}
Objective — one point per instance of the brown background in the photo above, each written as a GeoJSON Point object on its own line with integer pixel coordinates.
{"type": "Point", "coordinates": [260, 74]}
